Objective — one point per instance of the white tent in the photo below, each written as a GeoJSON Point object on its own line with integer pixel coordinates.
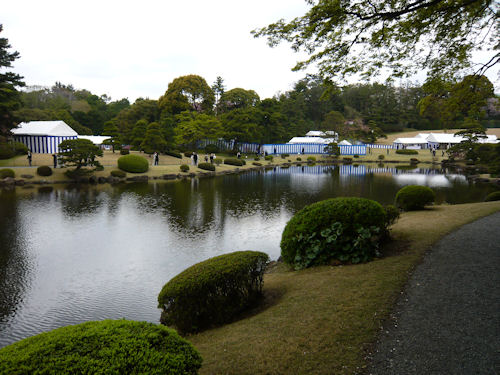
{"type": "Point", "coordinates": [410, 143]}
{"type": "Point", "coordinates": [43, 136]}
{"type": "Point", "coordinates": [316, 140]}
{"type": "Point", "coordinates": [95, 139]}
{"type": "Point", "coordinates": [315, 133]}
{"type": "Point", "coordinates": [344, 143]}
{"type": "Point", "coordinates": [443, 139]}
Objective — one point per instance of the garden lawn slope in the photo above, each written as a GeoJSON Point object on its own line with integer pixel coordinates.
{"type": "Point", "coordinates": [322, 320]}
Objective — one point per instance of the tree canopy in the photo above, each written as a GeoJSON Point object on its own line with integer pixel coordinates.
{"type": "Point", "coordinates": [188, 93]}
{"type": "Point", "coordinates": [347, 37]}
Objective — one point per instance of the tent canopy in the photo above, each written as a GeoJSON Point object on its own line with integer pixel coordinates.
{"type": "Point", "coordinates": [411, 141]}
{"type": "Point", "coordinates": [51, 128]}
{"type": "Point", "coordinates": [95, 139]}
{"type": "Point", "coordinates": [317, 140]}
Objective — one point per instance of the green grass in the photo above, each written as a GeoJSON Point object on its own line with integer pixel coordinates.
{"type": "Point", "coordinates": [323, 320]}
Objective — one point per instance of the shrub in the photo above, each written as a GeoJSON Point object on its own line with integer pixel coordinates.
{"type": "Point", "coordinates": [381, 157]}
{"type": "Point", "coordinates": [256, 158]}
{"type": "Point", "coordinates": [188, 154]}
{"type": "Point", "coordinates": [268, 157]}
{"type": "Point", "coordinates": [391, 214]}
{"type": "Point", "coordinates": [218, 161]}
{"type": "Point", "coordinates": [256, 163]}
{"type": "Point", "coordinates": [7, 172]}
{"type": "Point", "coordinates": [414, 197]}
{"type": "Point", "coordinates": [124, 151]}
{"type": "Point", "coordinates": [184, 168]}
{"type": "Point", "coordinates": [345, 229]}
{"type": "Point", "coordinates": [105, 347]}
{"type": "Point", "coordinates": [232, 161]}
{"type": "Point", "coordinates": [214, 291]}
{"type": "Point", "coordinates": [407, 152]}
{"type": "Point", "coordinates": [299, 159]}
{"type": "Point", "coordinates": [311, 158]}
{"type": "Point", "coordinates": [284, 156]}
{"type": "Point", "coordinates": [495, 196]}
{"type": "Point", "coordinates": [118, 173]}
{"type": "Point", "coordinates": [206, 166]}
{"type": "Point", "coordinates": [174, 154]}
{"type": "Point", "coordinates": [414, 161]}
{"type": "Point", "coordinates": [356, 156]}
{"type": "Point", "coordinates": [347, 160]}
{"type": "Point", "coordinates": [212, 149]}
{"type": "Point", "coordinates": [44, 170]}
{"type": "Point", "coordinates": [9, 150]}
{"type": "Point", "coordinates": [133, 163]}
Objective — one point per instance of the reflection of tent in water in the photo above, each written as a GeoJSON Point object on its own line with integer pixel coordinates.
{"type": "Point", "coordinates": [431, 180]}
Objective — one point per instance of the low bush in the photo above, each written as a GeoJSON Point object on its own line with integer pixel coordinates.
{"type": "Point", "coordinates": [7, 172]}
{"type": "Point", "coordinates": [184, 168]}
{"type": "Point", "coordinates": [495, 196]}
{"type": "Point", "coordinates": [214, 291]}
{"type": "Point", "coordinates": [311, 158]}
{"type": "Point", "coordinates": [118, 173]}
{"type": "Point", "coordinates": [104, 347]}
{"type": "Point", "coordinates": [256, 158]}
{"type": "Point", "coordinates": [233, 161]}
{"type": "Point", "coordinates": [414, 161]}
{"type": "Point", "coordinates": [356, 156]}
{"type": "Point", "coordinates": [391, 214]}
{"type": "Point", "coordinates": [212, 149]}
{"type": "Point", "coordinates": [206, 166]}
{"type": "Point", "coordinates": [347, 160]}
{"type": "Point", "coordinates": [343, 229]}
{"type": "Point", "coordinates": [188, 154]}
{"type": "Point", "coordinates": [44, 170]}
{"type": "Point", "coordinates": [299, 159]}
{"type": "Point", "coordinates": [9, 150]}
{"type": "Point", "coordinates": [381, 157]}
{"type": "Point", "coordinates": [174, 154]}
{"type": "Point", "coordinates": [268, 157]}
{"type": "Point", "coordinates": [414, 197]}
{"type": "Point", "coordinates": [124, 151]}
{"type": "Point", "coordinates": [284, 156]}
{"type": "Point", "coordinates": [256, 163]}
{"type": "Point", "coordinates": [133, 163]}
{"type": "Point", "coordinates": [218, 161]}
{"type": "Point", "coordinates": [407, 152]}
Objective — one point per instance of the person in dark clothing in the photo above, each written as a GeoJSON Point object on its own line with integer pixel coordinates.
{"type": "Point", "coordinates": [54, 159]}
{"type": "Point", "coordinates": [195, 158]}
{"type": "Point", "coordinates": [29, 157]}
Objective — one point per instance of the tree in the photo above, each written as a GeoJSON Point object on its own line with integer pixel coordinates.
{"type": "Point", "coordinates": [218, 88]}
{"type": "Point", "coordinates": [335, 121]}
{"type": "Point", "coordinates": [10, 99]}
{"type": "Point", "coordinates": [111, 130]}
{"type": "Point", "coordinates": [138, 133]}
{"type": "Point", "coordinates": [244, 124]}
{"type": "Point", "coordinates": [333, 149]}
{"type": "Point", "coordinates": [153, 140]}
{"type": "Point", "coordinates": [345, 38]}
{"type": "Point", "coordinates": [79, 153]}
{"type": "Point", "coordinates": [238, 98]}
{"type": "Point", "coordinates": [193, 127]}
{"type": "Point", "coordinates": [187, 93]}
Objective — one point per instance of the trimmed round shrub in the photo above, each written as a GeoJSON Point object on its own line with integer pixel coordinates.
{"type": "Point", "coordinates": [214, 291]}
{"type": "Point", "coordinates": [284, 156]}
{"type": "Point", "coordinates": [311, 158]}
{"type": "Point", "coordinates": [7, 172]}
{"type": "Point", "coordinates": [218, 161]}
{"type": "Point", "coordinates": [407, 152]}
{"type": "Point", "coordinates": [184, 168]}
{"type": "Point", "coordinates": [233, 161]}
{"type": "Point", "coordinates": [124, 151]}
{"type": "Point", "coordinates": [391, 214]}
{"type": "Point", "coordinates": [356, 156]}
{"type": "Point", "coordinates": [381, 157]}
{"type": "Point", "coordinates": [174, 154]}
{"type": "Point", "coordinates": [343, 229]}
{"type": "Point", "coordinates": [257, 164]}
{"type": "Point", "coordinates": [206, 166]}
{"type": "Point", "coordinates": [414, 161]}
{"type": "Point", "coordinates": [44, 170]}
{"type": "Point", "coordinates": [299, 159]}
{"type": "Point", "coordinates": [347, 160]}
{"type": "Point", "coordinates": [118, 173]}
{"type": "Point", "coordinates": [212, 149]}
{"type": "Point", "coordinates": [188, 154]}
{"type": "Point", "coordinates": [105, 347]}
{"type": "Point", "coordinates": [268, 157]}
{"type": "Point", "coordinates": [133, 163]}
{"type": "Point", "coordinates": [495, 196]}
{"type": "Point", "coordinates": [414, 197]}
{"type": "Point", "coordinates": [256, 158]}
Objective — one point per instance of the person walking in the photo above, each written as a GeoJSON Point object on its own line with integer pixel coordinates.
{"type": "Point", "coordinates": [195, 158]}
{"type": "Point", "coordinates": [29, 157]}
{"type": "Point", "coordinates": [212, 158]}
{"type": "Point", "coordinates": [157, 158]}
{"type": "Point", "coordinates": [54, 159]}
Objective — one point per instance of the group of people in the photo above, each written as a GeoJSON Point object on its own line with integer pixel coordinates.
{"type": "Point", "coordinates": [30, 158]}
{"type": "Point", "coordinates": [208, 158]}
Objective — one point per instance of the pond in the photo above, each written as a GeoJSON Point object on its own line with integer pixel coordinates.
{"type": "Point", "coordinates": [77, 253]}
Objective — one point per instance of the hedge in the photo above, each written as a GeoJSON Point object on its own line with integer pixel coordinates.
{"type": "Point", "coordinates": [124, 151]}
{"type": "Point", "coordinates": [343, 229]}
{"type": "Point", "coordinates": [414, 197]}
{"type": "Point", "coordinates": [133, 163]}
{"type": "Point", "coordinates": [268, 157]}
{"type": "Point", "coordinates": [311, 158]}
{"type": "Point", "coordinates": [214, 291]}
{"type": "Point", "coordinates": [233, 161]}
{"type": "Point", "coordinates": [495, 196]}
{"type": "Point", "coordinates": [257, 164]}
{"type": "Point", "coordinates": [7, 172]}
{"type": "Point", "coordinates": [118, 173]}
{"type": "Point", "coordinates": [206, 166]}
{"type": "Point", "coordinates": [104, 347]}
{"type": "Point", "coordinates": [9, 150]}
{"type": "Point", "coordinates": [184, 168]}
{"type": "Point", "coordinates": [407, 152]}
{"type": "Point", "coordinates": [212, 149]}
{"type": "Point", "coordinates": [174, 154]}
{"type": "Point", "coordinates": [44, 170]}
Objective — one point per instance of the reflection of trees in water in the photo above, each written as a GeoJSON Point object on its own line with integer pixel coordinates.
{"type": "Point", "coordinates": [15, 265]}
{"type": "Point", "coordinates": [79, 201]}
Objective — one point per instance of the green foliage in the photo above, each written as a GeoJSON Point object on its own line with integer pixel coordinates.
{"type": "Point", "coordinates": [206, 166]}
{"type": "Point", "coordinates": [381, 157]}
{"type": "Point", "coordinates": [7, 172]}
{"type": "Point", "coordinates": [79, 153]}
{"type": "Point", "coordinates": [284, 156]}
{"type": "Point", "coordinates": [257, 164]}
{"type": "Point", "coordinates": [234, 161]}
{"type": "Point", "coordinates": [214, 291]}
{"type": "Point", "coordinates": [244, 124]}
{"type": "Point", "coordinates": [193, 126]}
{"type": "Point", "coordinates": [343, 229]}
{"type": "Point", "coordinates": [104, 347]}
{"type": "Point", "coordinates": [218, 161]}
{"type": "Point", "coordinates": [311, 158]}
{"type": "Point", "coordinates": [184, 168]}
{"type": "Point", "coordinates": [44, 170]}
{"type": "Point", "coordinates": [124, 151]}
{"type": "Point", "coordinates": [9, 150]}
{"type": "Point", "coordinates": [495, 196]}
{"type": "Point", "coordinates": [187, 93]}
{"type": "Point", "coordinates": [406, 152]}
{"type": "Point", "coordinates": [299, 159]}
{"type": "Point", "coordinates": [268, 157]}
{"type": "Point", "coordinates": [356, 156]}
{"type": "Point", "coordinates": [212, 149]}
{"type": "Point", "coordinates": [414, 197]}
{"type": "Point", "coordinates": [174, 154]}
{"type": "Point", "coordinates": [153, 140]}
{"type": "Point", "coordinates": [133, 164]}
{"type": "Point", "coordinates": [391, 214]}
{"type": "Point", "coordinates": [238, 98]}
{"type": "Point", "coordinates": [118, 173]}
{"type": "Point", "coordinates": [332, 149]}
{"type": "Point", "coordinates": [188, 154]}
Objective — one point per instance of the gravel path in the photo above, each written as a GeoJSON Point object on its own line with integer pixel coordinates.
{"type": "Point", "coordinates": [448, 319]}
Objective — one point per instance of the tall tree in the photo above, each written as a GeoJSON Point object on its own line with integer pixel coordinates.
{"type": "Point", "coordinates": [218, 88]}
{"type": "Point", "coordinates": [153, 140]}
{"type": "Point", "coordinates": [10, 99]}
{"type": "Point", "coordinates": [187, 93]}
{"type": "Point", "coordinates": [238, 98]}
{"type": "Point", "coordinates": [193, 126]}
{"type": "Point", "coordinates": [345, 38]}
{"type": "Point", "coordinates": [111, 130]}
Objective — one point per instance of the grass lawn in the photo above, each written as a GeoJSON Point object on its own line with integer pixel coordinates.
{"type": "Point", "coordinates": [324, 320]}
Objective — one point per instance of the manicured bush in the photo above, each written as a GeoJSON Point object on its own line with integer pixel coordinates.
{"type": "Point", "coordinates": [233, 161]}
{"type": "Point", "coordinates": [356, 156]}
{"type": "Point", "coordinates": [311, 158]}
{"type": "Point", "coordinates": [184, 168]}
{"type": "Point", "coordinates": [381, 157]}
{"type": "Point", "coordinates": [414, 197]}
{"type": "Point", "coordinates": [414, 161]}
{"type": "Point", "coordinates": [188, 154]}
{"type": "Point", "coordinates": [347, 160]}
{"type": "Point", "coordinates": [44, 170]}
{"type": "Point", "coordinates": [124, 151]}
{"type": "Point", "coordinates": [104, 347]}
{"type": "Point", "coordinates": [407, 152]}
{"type": "Point", "coordinates": [495, 196]}
{"type": "Point", "coordinates": [268, 157]}
{"type": "Point", "coordinates": [118, 173]}
{"type": "Point", "coordinates": [256, 163]}
{"type": "Point", "coordinates": [284, 156]}
{"type": "Point", "coordinates": [256, 158]}
{"type": "Point", "coordinates": [391, 214]}
{"type": "Point", "coordinates": [212, 149]}
{"type": "Point", "coordinates": [343, 229]}
{"type": "Point", "coordinates": [299, 159]}
{"type": "Point", "coordinates": [174, 154]}
{"type": "Point", "coordinates": [7, 172]}
{"type": "Point", "coordinates": [218, 161]}
{"type": "Point", "coordinates": [214, 291]}
{"type": "Point", "coordinates": [133, 163]}
{"type": "Point", "coordinates": [9, 150]}
{"type": "Point", "coordinates": [206, 166]}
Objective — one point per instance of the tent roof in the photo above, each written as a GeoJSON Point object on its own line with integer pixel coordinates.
{"type": "Point", "coordinates": [422, 135]}
{"type": "Point", "coordinates": [444, 138]}
{"type": "Point", "coordinates": [315, 133]}
{"type": "Point", "coordinates": [95, 139]}
{"type": "Point", "coordinates": [317, 140]}
{"type": "Point", "coordinates": [414, 140]}
{"type": "Point", "coordinates": [344, 143]}
{"type": "Point", "coordinates": [55, 128]}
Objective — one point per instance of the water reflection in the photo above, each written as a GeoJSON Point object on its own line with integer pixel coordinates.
{"type": "Point", "coordinates": [79, 253]}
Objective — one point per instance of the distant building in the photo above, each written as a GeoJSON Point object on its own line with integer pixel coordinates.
{"type": "Point", "coordinates": [43, 137]}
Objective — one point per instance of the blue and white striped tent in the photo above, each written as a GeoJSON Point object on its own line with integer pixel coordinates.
{"type": "Point", "coordinates": [311, 148]}
{"type": "Point", "coordinates": [43, 137]}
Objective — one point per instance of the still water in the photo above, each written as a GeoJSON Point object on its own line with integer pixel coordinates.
{"type": "Point", "coordinates": [73, 254]}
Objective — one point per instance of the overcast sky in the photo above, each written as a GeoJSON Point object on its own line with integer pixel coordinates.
{"type": "Point", "coordinates": [135, 48]}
